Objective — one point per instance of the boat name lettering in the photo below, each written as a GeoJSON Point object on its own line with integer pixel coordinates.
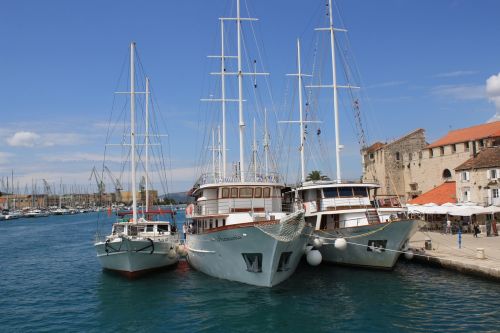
{"type": "Point", "coordinates": [226, 239]}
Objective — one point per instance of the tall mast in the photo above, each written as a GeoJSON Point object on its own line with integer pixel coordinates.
{"type": "Point", "coordinates": [254, 152]}
{"type": "Point", "coordinates": [302, 162]}
{"type": "Point", "coordinates": [219, 150]}
{"type": "Point", "coordinates": [266, 145]}
{"type": "Point", "coordinates": [223, 88]}
{"type": "Point", "coordinates": [335, 97]}
{"type": "Point", "coordinates": [240, 96]}
{"type": "Point", "coordinates": [132, 131]}
{"type": "Point", "coordinates": [147, 144]}
{"type": "Point", "coordinates": [213, 154]}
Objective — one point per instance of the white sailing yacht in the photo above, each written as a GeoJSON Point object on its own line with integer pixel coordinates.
{"type": "Point", "coordinates": [137, 245]}
{"type": "Point", "coordinates": [238, 227]}
{"type": "Point", "coordinates": [351, 227]}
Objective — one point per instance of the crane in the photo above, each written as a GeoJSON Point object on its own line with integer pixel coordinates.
{"type": "Point", "coordinates": [101, 188]}
{"type": "Point", "coordinates": [116, 183]}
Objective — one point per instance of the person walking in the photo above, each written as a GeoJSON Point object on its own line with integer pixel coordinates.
{"type": "Point", "coordinates": [448, 227]}
{"type": "Point", "coordinates": [476, 230]}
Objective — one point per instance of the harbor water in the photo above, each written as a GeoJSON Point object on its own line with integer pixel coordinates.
{"type": "Point", "coordinates": [51, 281]}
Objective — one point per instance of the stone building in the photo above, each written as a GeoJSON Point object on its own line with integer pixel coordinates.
{"type": "Point", "coordinates": [409, 166]}
{"type": "Point", "coordinates": [479, 178]}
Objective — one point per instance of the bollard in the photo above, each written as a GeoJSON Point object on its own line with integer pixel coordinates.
{"type": "Point", "coordinates": [480, 253]}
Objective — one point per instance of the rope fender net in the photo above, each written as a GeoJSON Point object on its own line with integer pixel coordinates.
{"type": "Point", "coordinates": [288, 229]}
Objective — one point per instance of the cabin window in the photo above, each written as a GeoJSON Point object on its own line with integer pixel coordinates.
{"type": "Point", "coordinates": [224, 222]}
{"type": "Point", "coordinates": [284, 263]}
{"type": "Point", "coordinates": [267, 192]}
{"type": "Point", "coordinates": [118, 229]}
{"type": "Point", "coordinates": [345, 191]}
{"type": "Point", "coordinates": [149, 228]}
{"type": "Point", "coordinates": [360, 192]}
{"type": "Point", "coordinates": [258, 192]}
{"type": "Point", "coordinates": [162, 228]}
{"type": "Point", "coordinates": [253, 261]}
{"type": "Point", "coordinates": [210, 224]}
{"type": "Point", "coordinates": [330, 192]}
{"type": "Point", "coordinates": [225, 193]}
{"type": "Point", "coordinates": [234, 192]}
{"type": "Point", "coordinates": [246, 192]}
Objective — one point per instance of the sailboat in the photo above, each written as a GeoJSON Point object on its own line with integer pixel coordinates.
{"type": "Point", "coordinates": [238, 228]}
{"type": "Point", "coordinates": [137, 244]}
{"type": "Point", "coordinates": [350, 226]}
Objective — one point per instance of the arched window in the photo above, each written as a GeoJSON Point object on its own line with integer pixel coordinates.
{"type": "Point", "coordinates": [446, 174]}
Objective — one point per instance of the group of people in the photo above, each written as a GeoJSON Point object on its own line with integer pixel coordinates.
{"type": "Point", "coordinates": [475, 228]}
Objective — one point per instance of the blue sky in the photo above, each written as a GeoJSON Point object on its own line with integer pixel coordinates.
{"type": "Point", "coordinates": [422, 64]}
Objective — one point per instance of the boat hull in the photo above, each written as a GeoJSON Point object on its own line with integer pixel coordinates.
{"type": "Point", "coordinates": [365, 242]}
{"type": "Point", "coordinates": [133, 257]}
{"type": "Point", "coordinates": [221, 254]}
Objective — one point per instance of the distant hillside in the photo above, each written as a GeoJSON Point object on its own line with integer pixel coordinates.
{"type": "Point", "coordinates": [179, 197]}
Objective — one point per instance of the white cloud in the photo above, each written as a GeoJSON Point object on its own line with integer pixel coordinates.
{"type": "Point", "coordinates": [24, 139]}
{"type": "Point", "coordinates": [455, 74]}
{"type": "Point", "coordinates": [460, 92]}
{"type": "Point", "coordinates": [493, 90]}
{"type": "Point", "coordinates": [32, 139]}
{"type": "Point", "coordinates": [387, 84]}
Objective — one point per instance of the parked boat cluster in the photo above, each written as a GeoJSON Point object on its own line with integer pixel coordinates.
{"type": "Point", "coordinates": [247, 225]}
{"type": "Point", "coordinates": [11, 214]}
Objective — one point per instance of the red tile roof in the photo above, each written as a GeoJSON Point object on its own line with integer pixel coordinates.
{"type": "Point", "coordinates": [486, 158]}
{"type": "Point", "coordinates": [488, 130]}
{"type": "Point", "coordinates": [444, 193]}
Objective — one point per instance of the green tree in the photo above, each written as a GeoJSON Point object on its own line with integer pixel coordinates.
{"type": "Point", "coordinates": [316, 175]}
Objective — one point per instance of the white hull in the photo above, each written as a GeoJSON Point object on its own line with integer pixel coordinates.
{"type": "Point", "coordinates": [135, 256]}
{"type": "Point", "coordinates": [358, 253]}
{"type": "Point", "coordinates": [221, 254]}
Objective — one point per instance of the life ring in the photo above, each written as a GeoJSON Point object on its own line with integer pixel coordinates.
{"type": "Point", "coordinates": [189, 210]}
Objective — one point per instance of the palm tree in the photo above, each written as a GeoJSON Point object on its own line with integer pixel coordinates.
{"type": "Point", "coordinates": [316, 175]}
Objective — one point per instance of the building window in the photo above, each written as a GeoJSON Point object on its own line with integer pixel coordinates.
{"type": "Point", "coordinates": [495, 193]}
{"type": "Point", "coordinates": [441, 150]}
{"type": "Point", "coordinates": [371, 156]}
{"type": "Point", "coordinates": [420, 154]}
{"type": "Point", "coordinates": [466, 146]}
{"type": "Point", "coordinates": [397, 156]}
{"type": "Point", "coordinates": [465, 176]}
{"type": "Point", "coordinates": [466, 195]}
{"type": "Point", "coordinates": [453, 148]}
{"type": "Point", "coordinates": [446, 174]}
{"type": "Point", "coordinates": [431, 153]}
{"type": "Point", "coordinates": [410, 156]}
{"type": "Point", "coordinates": [493, 174]}
{"type": "Point", "coordinates": [414, 186]}
{"type": "Point", "coordinates": [481, 143]}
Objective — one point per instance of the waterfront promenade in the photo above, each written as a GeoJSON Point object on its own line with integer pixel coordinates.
{"type": "Point", "coordinates": [446, 253]}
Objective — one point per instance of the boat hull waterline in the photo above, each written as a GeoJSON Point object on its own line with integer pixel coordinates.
{"type": "Point", "coordinates": [132, 257]}
{"type": "Point", "coordinates": [363, 242]}
{"type": "Point", "coordinates": [221, 254]}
